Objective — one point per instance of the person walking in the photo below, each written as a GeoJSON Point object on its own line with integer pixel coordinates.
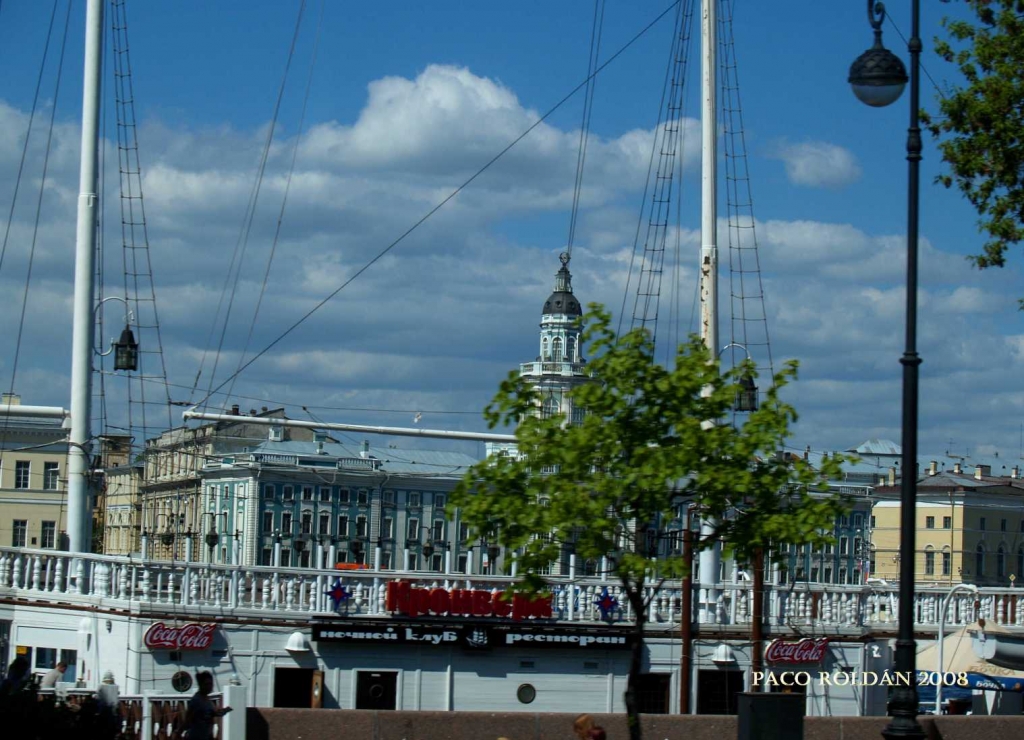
{"type": "Point", "coordinates": [201, 713]}
{"type": "Point", "coordinates": [53, 676]}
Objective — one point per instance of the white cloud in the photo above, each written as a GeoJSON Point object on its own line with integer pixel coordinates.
{"type": "Point", "coordinates": [818, 164]}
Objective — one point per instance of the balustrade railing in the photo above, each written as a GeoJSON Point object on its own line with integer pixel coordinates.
{"type": "Point", "coordinates": [46, 575]}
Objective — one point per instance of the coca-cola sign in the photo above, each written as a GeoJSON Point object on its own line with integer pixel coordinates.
{"type": "Point", "coordinates": [192, 636]}
{"type": "Point", "coordinates": [807, 650]}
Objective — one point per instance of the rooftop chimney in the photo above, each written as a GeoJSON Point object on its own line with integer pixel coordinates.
{"type": "Point", "coordinates": [933, 467]}
{"type": "Point", "coordinates": [956, 468]}
{"type": "Point", "coordinates": [892, 476]}
{"type": "Point", "coordinates": [10, 399]}
{"type": "Point", "coordinates": [365, 452]}
{"type": "Point", "coordinates": [1015, 472]}
{"type": "Point", "coordinates": [981, 471]}
{"type": "Point", "coordinates": [234, 410]}
{"type": "Point", "coordinates": [263, 410]}
{"type": "Point", "coordinates": [807, 452]}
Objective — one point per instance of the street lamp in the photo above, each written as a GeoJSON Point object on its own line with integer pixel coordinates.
{"type": "Point", "coordinates": [746, 396]}
{"type": "Point", "coordinates": [878, 78]}
{"type": "Point", "coordinates": [125, 349]}
{"type": "Point", "coordinates": [942, 625]}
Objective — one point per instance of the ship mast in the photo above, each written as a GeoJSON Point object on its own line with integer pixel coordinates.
{"type": "Point", "coordinates": [710, 562]}
{"type": "Point", "coordinates": [79, 511]}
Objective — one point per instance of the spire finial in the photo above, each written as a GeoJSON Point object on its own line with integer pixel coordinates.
{"type": "Point", "coordinates": [564, 259]}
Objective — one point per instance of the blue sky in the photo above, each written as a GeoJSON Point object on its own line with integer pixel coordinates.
{"type": "Point", "coordinates": [406, 104]}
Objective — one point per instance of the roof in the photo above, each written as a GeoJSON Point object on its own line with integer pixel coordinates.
{"type": "Point", "coordinates": [877, 447]}
{"type": "Point", "coordinates": [392, 460]}
{"type": "Point", "coordinates": [562, 301]}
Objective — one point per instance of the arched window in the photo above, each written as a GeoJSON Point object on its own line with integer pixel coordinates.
{"type": "Point", "coordinates": [556, 349]}
{"type": "Point", "coordinates": [550, 407]}
{"type": "Point", "coordinates": [1001, 562]}
{"type": "Point", "coordinates": [544, 349]}
{"type": "Point", "coordinates": [979, 561]}
{"type": "Point", "coordinates": [929, 561]}
{"type": "Point", "coordinates": [570, 349]}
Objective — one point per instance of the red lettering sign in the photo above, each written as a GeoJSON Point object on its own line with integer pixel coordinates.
{"type": "Point", "coordinates": [192, 636]}
{"type": "Point", "coordinates": [807, 650]}
{"type": "Point", "coordinates": [402, 598]}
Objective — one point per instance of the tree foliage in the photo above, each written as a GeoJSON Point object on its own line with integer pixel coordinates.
{"type": "Point", "coordinates": [980, 126]}
{"type": "Point", "coordinates": [653, 439]}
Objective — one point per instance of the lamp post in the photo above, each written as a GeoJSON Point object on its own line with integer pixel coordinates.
{"type": "Point", "coordinates": [878, 78]}
{"type": "Point", "coordinates": [942, 626]}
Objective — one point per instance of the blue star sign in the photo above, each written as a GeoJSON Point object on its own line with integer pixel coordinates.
{"type": "Point", "coordinates": [339, 594]}
{"type": "Point", "coordinates": [607, 604]}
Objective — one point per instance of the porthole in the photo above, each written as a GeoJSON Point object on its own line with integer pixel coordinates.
{"type": "Point", "coordinates": [181, 681]}
{"type": "Point", "coordinates": [526, 693]}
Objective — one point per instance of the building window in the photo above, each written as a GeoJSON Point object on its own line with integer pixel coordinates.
{"type": "Point", "coordinates": [1002, 525]}
{"type": "Point", "coordinates": [385, 560]}
{"type": "Point", "coordinates": [570, 350]}
{"type": "Point", "coordinates": [1001, 562]}
{"type": "Point", "coordinates": [981, 524]}
{"type": "Point", "coordinates": [463, 531]}
{"type": "Point", "coordinates": [929, 522]}
{"type": "Point", "coordinates": [979, 561]}
{"type": "Point", "coordinates": [325, 495]}
{"type": "Point", "coordinates": [844, 546]}
{"type": "Point", "coordinates": [387, 528]}
{"type": "Point", "coordinates": [414, 498]}
{"type": "Point", "coordinates": [343, 525]}
{"type": "Point", "coordinates": [343, 495]}
{"type": "Point", "coordinates": [49, 535]}
{"type": "Point", "coordinates": [556, 349]}
{"type": "Point", "coordinates": [268, 492]}
{"type": "Point", "coordinates": [828, 575]}
{"type": "Point", "coordinates": [412, 562]}
{"type": "Point", "coordinates": [268, 521]}
{"type": "Point", "coordinates": [286, 557]}
{"type": "Point", "coordinates": [286, 523]}
{"type": "Point", "coordinates": [858, 520]}
{"type": "Point", "coordinates": [307, 493]}
{"type": "Point", "coordinates": [388, 497]}
{"type": "Point", "coordinates": [414, 529]}
{"type": "Point", "coordinates": [266, 556]}
{"type": "Point", "coordinates": [929, 563]}
{"type": "Point", "coordinates": [947, 522]}
{"type": "Point", "coordinates": [19, 531]}
{"type": "Point", "coordinates": [437, 533]}
{"type": "Point", "coordinates": [307, 522]}
{"type": "Point", "coordinates": [947, 563]}
{"type": "Point", "coordinates": [361, 529]}
{"type": "Point", "coordinates": [325, 524]}
{"type": "Point", "coordinates": [549, 407]}
{"type": "Point", "coordinates": [439, 501]}
{"type": "Point", "coordinates": [364, 497]}
{"type": "Point", "coordinates": [872, 522]}
{"type": "Point", "coordinates": [289, 493]}
{"type": "Point", "coordinates": [22, 468]}
{"type": "Point", "coordinates": [51, 471]}
{"type": "Point", "coordinates": [463, 564]}
{"type": "Point", "coordinates": [436, 563]}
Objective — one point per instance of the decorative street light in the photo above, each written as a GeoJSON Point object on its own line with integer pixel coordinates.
{"type": "Point", "coordinates": [878, 78]}
{"type": "Point", "coordinates": [942, 626]}
{"type": "Point", "coordinates": [125, 349]}
{"type": "Point", "coordinates": [746, 396]}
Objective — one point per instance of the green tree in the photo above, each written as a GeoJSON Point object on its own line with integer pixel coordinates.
{"type": "Point", "coordinates": [652, 439]}
{"type": "Point", "coordinates": [980, 125]}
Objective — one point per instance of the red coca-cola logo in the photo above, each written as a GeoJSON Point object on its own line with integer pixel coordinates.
{"type": "Point", "coordinates": [193, 636]}
{"type": "Point", "coordinates": [807, 650]}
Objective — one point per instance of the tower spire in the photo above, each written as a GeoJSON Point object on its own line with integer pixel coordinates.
{"type": "Point", "coordinates": [563, 279]}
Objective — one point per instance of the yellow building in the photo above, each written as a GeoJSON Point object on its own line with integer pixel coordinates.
{"type": "Point", "coordinates": [122, 510]}
{"type": "Point", "coordinates": [970, 528]}
{"type": "Point", "coordinates": [33, 479]}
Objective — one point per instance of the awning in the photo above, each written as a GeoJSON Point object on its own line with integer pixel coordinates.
{"type": "Point", "coordinates": [959, 656]}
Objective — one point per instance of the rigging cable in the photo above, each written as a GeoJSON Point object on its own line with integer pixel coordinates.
{"type": "Point", "coordinates": [247, 219]}
{"type": "Point", "coordinates": [588, 104]}
{"type": "Point", "coordinates": [443, 202]}
{"type": "Point", "coordinates": [39, 203]}
{"type": "Point", "coordinates": [284, 199]}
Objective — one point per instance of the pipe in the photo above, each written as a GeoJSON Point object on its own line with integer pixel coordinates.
{"type": "Point", "coordinates": [686, 624]}
{"type": "Point", "coordinates": [757, 628]}
{"type": "Point", "coordinates": [38, 412]}
{"type": "Point", "coordinates": [364, 428]}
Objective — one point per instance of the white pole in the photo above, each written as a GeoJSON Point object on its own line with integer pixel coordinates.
{"type": "Point", "coordinates": [710, 565]}
{"type": "Point", "coordinates": [79, 517]}
{"type": "Point", "coordinates": [392, 431]}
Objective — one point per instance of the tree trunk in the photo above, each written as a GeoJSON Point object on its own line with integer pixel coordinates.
{"type": "Point", "coordinates": [636, 599]}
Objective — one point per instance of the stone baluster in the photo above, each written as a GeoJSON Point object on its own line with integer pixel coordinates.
{"type": "Point", "coordinates": [720, 608]}
{"type": "Point", "coordinates": [290, 594]}
{"type": "Point", "coordinates": [144, 596]}
{"type": "Point", "coordinates": [58, 576]}
{"type": "Point", "coordinates": [5, 563]}
{"type": "Point", "coordinates": [16, 572]}
{"type": "Point", "coordinates": [314, 595]}
{"type": "Point", "coordinates": [122, 583]}
{"type": "Point", "coordinates": [48, 574]}
{"type": "Point", "coordinates": [361, 597]}
{"type": "Point", "coordinates": [102, 584]}
{"type": "Point", "coordinates": [218, 587]}
{"type": "Point", "coordinates": [276, 583]}
{"type": "Point", "coordinates": [80, 576]}
{"type": "Point", "coordinates": [171, 582]}
{"type": "Point", "coordinates": [37, 575]}
{"type": "Point", "coordinates": [266, 592]}
{"type": "Point", "coordinates": [381, 596]}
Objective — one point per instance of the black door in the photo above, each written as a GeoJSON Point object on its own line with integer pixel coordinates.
{"type": "Point", "coordinates": [717, 691]}
{"type": "Point", "coordinates": [652, 693]}
{"type": "Point", "coordinates": [293, 687]}
{"type": "Point", "coordinates": [376, 689]}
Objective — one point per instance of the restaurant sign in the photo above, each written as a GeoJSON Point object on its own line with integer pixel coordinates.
{"type": "Point", "coordinates": [405, 599]}
{"type": "Point", "coordinates": [807, 650]}
{"type": "Point", "coordinates": [473, 637]}
{"type": "Point", "coordinates": [191, 636]}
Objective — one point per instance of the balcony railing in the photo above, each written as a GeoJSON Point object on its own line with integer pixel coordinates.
{"type": "Point", "coordinates": [298, 593]}
{"type": "Point", "coordinates": [553, 368]}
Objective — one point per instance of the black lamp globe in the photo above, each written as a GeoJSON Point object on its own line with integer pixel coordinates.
{"type": "Point", "coordinates": [212, 538]}
{"type": "Point", "coordinates": [126, 351]}
{"type": "Point", "coordinates": [746, 396]}
{"type": "Point", "coordinates": [167, 538]}
{"type": "Point", "coordinates": [877, 76]}
{"type": "Point", "coordinates": [428, 549]}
